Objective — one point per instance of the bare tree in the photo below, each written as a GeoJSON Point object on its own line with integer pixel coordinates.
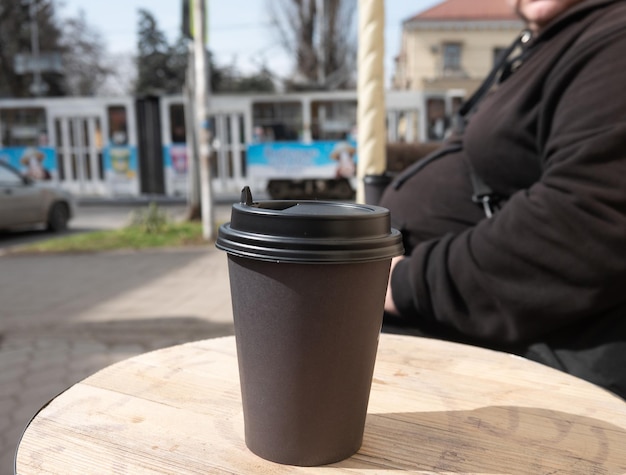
{"type": "Point", "coordinates": [73, 48]}
{"type": "Point", "coordinates": [321, 37]}
{"type": "Point", "coordinates": [17, 20]}
{"type": "Point", "coordinates": [83, 57]}
{"type": "Point", "coordinates": [122, 77]}
{"type": "Point", "coordinates": [154, 59]}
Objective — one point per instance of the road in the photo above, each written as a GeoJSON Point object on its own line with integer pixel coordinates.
{"type": "Point", "coordinates": [64, 317]}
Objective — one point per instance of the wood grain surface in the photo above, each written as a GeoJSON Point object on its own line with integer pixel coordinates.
{"type": "Point", "coordinates": [435, 408]}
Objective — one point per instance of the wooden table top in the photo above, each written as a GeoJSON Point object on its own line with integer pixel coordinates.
{"type": "Point", "coordinates": [435, 407]}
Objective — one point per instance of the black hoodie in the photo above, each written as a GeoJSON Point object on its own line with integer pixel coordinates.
{"type": "Point", "coordinates": [546, 276]}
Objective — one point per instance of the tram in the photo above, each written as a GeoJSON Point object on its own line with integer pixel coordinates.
{"type": "Point", "coordinates": [288, 145]}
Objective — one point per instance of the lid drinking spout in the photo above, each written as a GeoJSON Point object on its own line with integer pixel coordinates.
{"type": "Point", "coordinates": [246, 196]}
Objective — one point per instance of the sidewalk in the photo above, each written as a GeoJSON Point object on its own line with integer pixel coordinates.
{"type": "Point", "coordinates": [63, 317]}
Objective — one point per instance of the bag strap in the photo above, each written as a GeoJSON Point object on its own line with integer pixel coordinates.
{"type": "Point", "coordinates": [483, 194]}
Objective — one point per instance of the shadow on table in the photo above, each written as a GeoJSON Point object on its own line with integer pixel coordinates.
{"type": "Point", "coordinates": [496, 439]}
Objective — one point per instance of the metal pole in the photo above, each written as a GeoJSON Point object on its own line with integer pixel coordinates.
{"type": "Point", "coordinates": [38, 87]}
{"type": "Point", "coordinates": [194, 207]}
{"type": "Point", "coordinates": [371, 128]}
{"type": "Point", "coordinates": [202, 119]}
{"type": "Point", "coordinates": [321, 52]}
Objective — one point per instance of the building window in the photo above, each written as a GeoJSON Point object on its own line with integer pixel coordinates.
{"type": "Point", "coordinates": [436, 117]}
{"type": "Point", "coordinates": [451, 57]}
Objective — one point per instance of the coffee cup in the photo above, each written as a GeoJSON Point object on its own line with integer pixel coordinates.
{"type": "Point", "coordinates": [308, 282]}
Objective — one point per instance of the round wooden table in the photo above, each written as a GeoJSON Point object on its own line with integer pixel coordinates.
{"type": "Point", "coordinates": [435, 407]}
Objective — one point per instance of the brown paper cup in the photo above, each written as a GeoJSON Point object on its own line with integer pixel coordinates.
{"type": "Point", "coordinates": [308, 283]}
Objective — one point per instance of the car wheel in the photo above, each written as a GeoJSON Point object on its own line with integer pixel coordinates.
{"type": "Point", "coordinates": [58, 216]}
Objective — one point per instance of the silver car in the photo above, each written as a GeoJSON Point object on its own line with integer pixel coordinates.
{"type": "Point", "coordinates": [26, 203]}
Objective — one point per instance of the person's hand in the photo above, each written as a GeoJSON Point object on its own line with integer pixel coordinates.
{"type": "Point", "coordinates": [390, 306]}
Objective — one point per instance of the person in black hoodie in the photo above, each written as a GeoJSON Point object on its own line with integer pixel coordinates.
{"type": "Point", "coordinates": [515, 229]}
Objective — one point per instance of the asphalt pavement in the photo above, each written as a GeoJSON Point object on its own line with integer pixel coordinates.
{"type": "Point", "coordinates": [64, 317]}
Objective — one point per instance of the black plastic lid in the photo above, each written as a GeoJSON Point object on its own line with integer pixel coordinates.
{"type": "Point", "coordinates": [309, 231]}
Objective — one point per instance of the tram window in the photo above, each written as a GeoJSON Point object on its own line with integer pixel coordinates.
{"type": "Point", "coordinates": [85, 131]}
{"type": "Point", "coordinates": [242, 135]}
{"type": "Point", "coordinates": [277, 121]}
{"type": "Point", "coordinates": [213, 163]}
{"type": "Point", "coordinates": [332, 120]}
{"type": "Point", "coordinates": [227, 125]}
{"type": "Point", "coordinates": [97, 139]}
{"type": "Point", "coordinates": [456, 104]}
{"type": "Point", "coordinates": [437, 119]}
{"type": "Point", "coordinates": [178, 131]}
{"type": "Point", "coordinates": [86, 143]}
{"type": "Point", "coordinates": [60, 150]}
{"type": "Point", "coordinates": [407, 126]}
{"type": "Point", "coordinates": [118, 131]}
{"type": "Point", "coordinates": [23, 127]}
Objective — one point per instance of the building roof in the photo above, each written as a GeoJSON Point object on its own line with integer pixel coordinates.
{"type": "Point", "coordinates": [466, 10]}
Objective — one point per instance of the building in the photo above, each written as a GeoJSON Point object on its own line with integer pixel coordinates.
{"type": "Point", "coordinates": [447, 50]}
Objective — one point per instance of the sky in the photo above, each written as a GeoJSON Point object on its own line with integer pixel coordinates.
{"type": "Point", "coordinates": [239, 31]}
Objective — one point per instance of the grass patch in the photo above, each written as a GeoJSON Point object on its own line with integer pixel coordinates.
{"type": "Point", "coordinates": [150, 227]}
{"type": "Point", "coordinates": [131, 237]}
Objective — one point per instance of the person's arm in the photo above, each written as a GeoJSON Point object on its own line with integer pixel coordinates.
{"type": "Point", "coordinates": [556, 253]}
{"type": "Point", "coordinates": [390, 306]}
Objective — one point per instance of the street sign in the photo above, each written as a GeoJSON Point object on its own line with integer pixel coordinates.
{"type": "Point", "coordinates": [43, 63]}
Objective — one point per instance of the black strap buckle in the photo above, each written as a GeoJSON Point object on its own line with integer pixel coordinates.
{"type": "Point", "coordinates": [489, 202]}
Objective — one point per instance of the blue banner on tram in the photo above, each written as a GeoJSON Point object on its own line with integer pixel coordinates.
{"type": "Point", "coordinates": [320, 159]}
{"type": "Point", "coordinates": [38, 163]}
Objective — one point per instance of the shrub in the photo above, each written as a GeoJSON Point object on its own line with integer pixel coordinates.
{"type": "Point", "coordinates": [152, 219]}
